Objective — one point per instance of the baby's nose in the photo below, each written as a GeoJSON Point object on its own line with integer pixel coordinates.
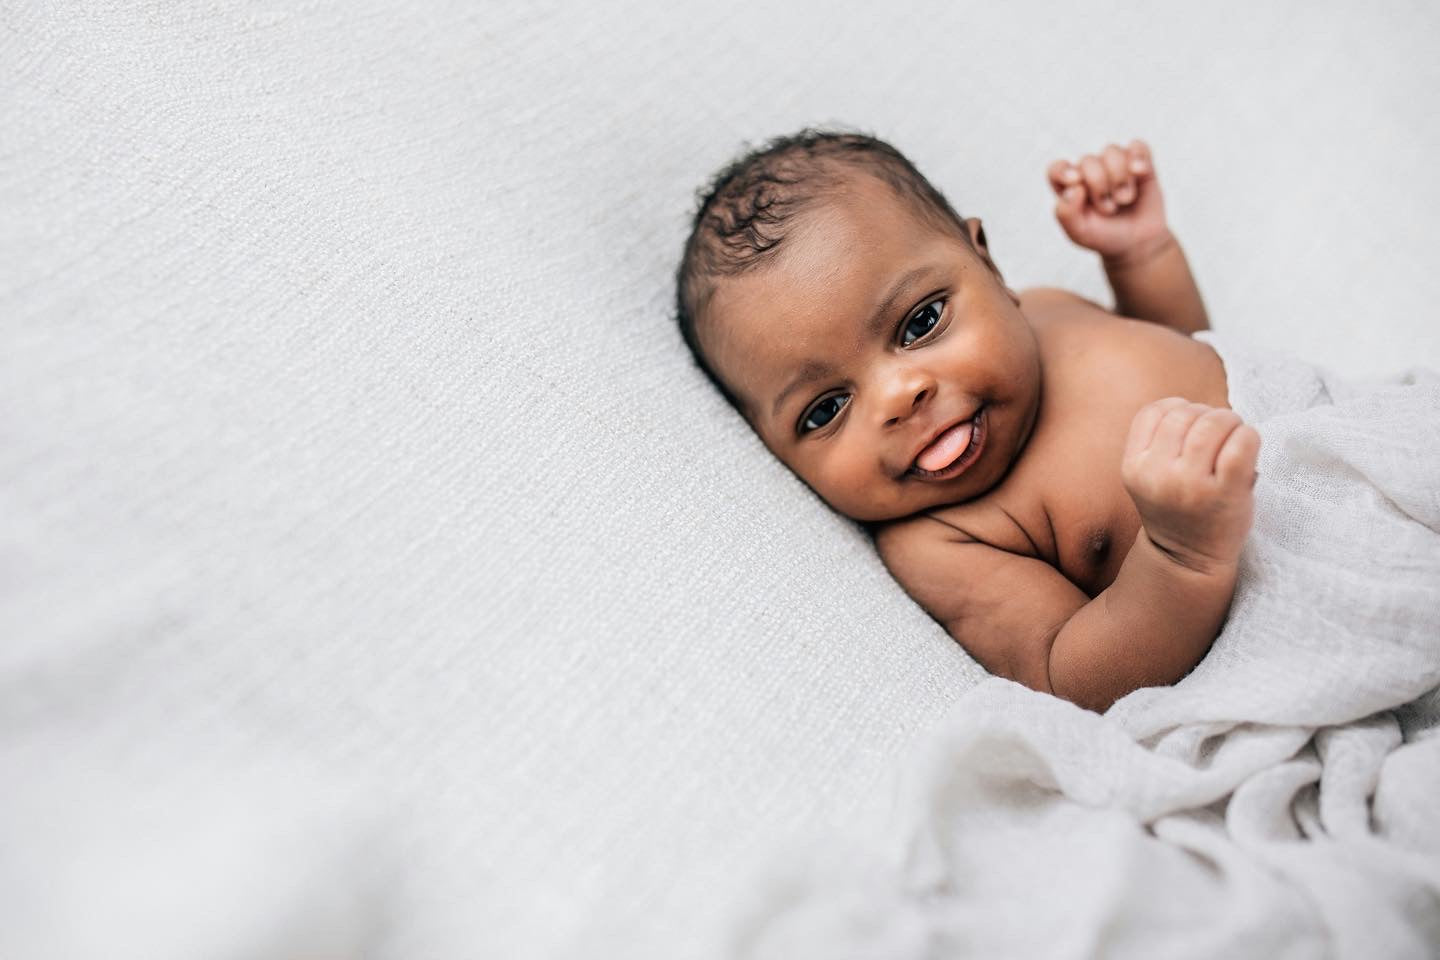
{"type": "Point", "coordinates": [907, 400]}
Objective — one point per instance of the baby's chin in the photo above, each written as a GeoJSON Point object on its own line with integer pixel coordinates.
{"type": "Point", "coordinates": [880, 512]}
{"type": "Point", "coordinates": [876, 521]}
{"type": "Point", "coordinates": [914, 496]}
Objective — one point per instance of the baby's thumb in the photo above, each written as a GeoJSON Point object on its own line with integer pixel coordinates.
{"type": "Point", "coordinates": [1070, 209]}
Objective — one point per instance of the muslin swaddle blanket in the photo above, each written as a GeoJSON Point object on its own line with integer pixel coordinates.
{"type": "Point", "coordinates": [1283, 800]}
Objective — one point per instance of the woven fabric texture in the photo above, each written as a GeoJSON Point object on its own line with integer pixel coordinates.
{"type": "Point", "coordinates": [378, 576]}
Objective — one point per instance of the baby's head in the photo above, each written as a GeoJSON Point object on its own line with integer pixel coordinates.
{"type": "Point", "coordinates": [858, 324]}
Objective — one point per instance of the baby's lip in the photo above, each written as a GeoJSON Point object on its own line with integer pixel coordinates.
{"type": "Point", "coordinates": [951, 450]}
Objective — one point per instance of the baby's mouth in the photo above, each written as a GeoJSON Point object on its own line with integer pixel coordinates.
{"type": "Point", "coordinates": [952, 451]}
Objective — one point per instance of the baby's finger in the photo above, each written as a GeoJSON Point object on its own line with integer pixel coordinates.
{"type": "Point", "coordinates": [1169, 438]}
{"type": "Point", "coordinates": [1070, 210]}
{"type": "Point", "coordinates": [1141, 163]}
{"type": "Point", "coordinates": [1097, 182]}
{"type": "Point", "coordinates": [1235, 466]}
{"type": "Point", "coordinates": [1062, 174]}
{"type": "Point", "coordinates": [1142, 428]}
{"type": "Point", "coordinates": [1203, 442]}
{"type": "Point", "coordinates": [1122, 185]}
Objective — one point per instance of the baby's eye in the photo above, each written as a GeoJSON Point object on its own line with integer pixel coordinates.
{"type": "Point", "coordinates": [921, 322]}
{"type": "Point", "coordinates": [823, 412]}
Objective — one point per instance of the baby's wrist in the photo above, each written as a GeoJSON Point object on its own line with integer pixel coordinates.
{"type": "Point", "coordinates": [1142, 254]}
{"type": "Point", "coordinates": [1189, 563]}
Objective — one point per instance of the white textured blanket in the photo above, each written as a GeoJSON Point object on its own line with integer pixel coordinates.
{"type": "Point", "coordinates": [1281, 800]}
{"type": "Point", "coordinates": [379, 577]}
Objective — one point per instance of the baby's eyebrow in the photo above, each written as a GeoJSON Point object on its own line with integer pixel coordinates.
{"type": "Point", "coordinates": [809, 373]}
{"type": "Point", "coordinates": [881, 317]}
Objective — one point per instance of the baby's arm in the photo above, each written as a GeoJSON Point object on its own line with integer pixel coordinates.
{"type": "Point", "coordinates": [1111, 203]}
{"type": "Point", "coordinates": [1190, 470]}
{"type": "Point", "coordinates": [1022, 619]}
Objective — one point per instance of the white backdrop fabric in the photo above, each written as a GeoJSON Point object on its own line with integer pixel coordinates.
{"type": "Point", "coordinates": [378, 577]}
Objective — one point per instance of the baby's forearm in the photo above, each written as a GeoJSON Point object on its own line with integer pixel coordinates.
{"type": "Point", "coordinates": [1149, 628]}
{"type": "Point", "coordinates": [1156, 284]}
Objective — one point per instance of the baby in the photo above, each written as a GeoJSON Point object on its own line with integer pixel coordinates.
{"type": "Point", "coordinates": [1064, 488]}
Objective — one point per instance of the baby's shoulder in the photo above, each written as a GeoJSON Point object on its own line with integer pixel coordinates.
{"type": "Point", "coordinates": [921, 553]}
{"type": "Point", "coordinates": [1062, 317]}
{"type": "Point", "coordinates": [1068, 327]}
{"type": "Point", "coordinates": [984, 521]}
{"type": "Point", "coordinates": [1049, 300]}
{"type": "Point", "coordinates": [1087, 347]}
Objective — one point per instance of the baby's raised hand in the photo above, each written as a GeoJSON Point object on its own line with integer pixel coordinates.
{"type": "Point", "coordinates": [1110, 202]}
{"type": "Point", "coordinates": [1190, 469]}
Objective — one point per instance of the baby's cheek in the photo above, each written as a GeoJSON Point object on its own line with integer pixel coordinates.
{"type": "Point", "coordinates": [843, 483]}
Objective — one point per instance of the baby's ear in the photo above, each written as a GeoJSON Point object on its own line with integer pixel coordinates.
{"type": "Point", "coordinates": [976, 229]}
{"type": "Point", "coordinates": [977, 234]}
{"type": "Point", "coordinates": [977, 239]}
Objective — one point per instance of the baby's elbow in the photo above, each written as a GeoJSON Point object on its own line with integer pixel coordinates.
{"type": "Point", "coordinates": [1096, 700]}
{"type": "Point", "coordinates": [1073, 679]}
{"type": "Point", "coordinates": [1027, 662]}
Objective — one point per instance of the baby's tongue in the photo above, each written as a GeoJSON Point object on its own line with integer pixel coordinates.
{"type": "Point", "coordinates": [947, 447]}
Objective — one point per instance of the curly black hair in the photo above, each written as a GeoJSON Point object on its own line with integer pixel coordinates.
{"type": "Point", "coordinates": [742, 214]}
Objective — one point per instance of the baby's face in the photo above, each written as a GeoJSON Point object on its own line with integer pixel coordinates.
{"type": "Point", "coordinates": [880, 357]}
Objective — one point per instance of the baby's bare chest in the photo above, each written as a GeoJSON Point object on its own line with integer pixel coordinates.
{"type": "Point", "coordinates": [1065, 503]}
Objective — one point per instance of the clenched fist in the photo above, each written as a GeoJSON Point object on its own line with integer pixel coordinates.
{"type": "Point", "coordinates": [1110, 202]}
{"type": "Point", "coordinates": [1190, 468]}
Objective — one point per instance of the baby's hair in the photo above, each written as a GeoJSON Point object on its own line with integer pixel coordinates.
{"type": "Point", "coordinates": [741, 218]}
